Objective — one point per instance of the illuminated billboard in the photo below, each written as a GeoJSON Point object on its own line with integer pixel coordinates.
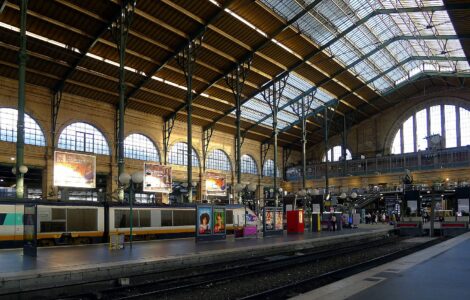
{"type": "Point", "coordinates": [74, 170]}
{"type": "Point", "coordinates": [215, 184]}
{"type": "Point", "coordinates": [157, 178]}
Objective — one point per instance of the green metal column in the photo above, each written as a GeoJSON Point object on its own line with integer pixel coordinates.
{"type": "Point", "coordinates": [122, 91]}
{"type": "Point", "coordinates": [325, 127]}
{"type": "Point", "coordinates": [120, 30]}
{"type": "Point", "coordinates": [275, 109]}
{"type": "Point", "coordinates": [189, 111]}
{"type": "Point", "coordinates": [304, 146]}
{"type": "Point", "coordinates": [187, 60]}
{"type": "Point", "coordinates": [238, 115]}
{"type": "Point", "coordinates": [21, 101]}
{"type": "Point", "coordinates": [343, 146]}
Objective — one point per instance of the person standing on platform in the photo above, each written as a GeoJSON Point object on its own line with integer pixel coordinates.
{"type": "Point", "coordinates": [333, 222]}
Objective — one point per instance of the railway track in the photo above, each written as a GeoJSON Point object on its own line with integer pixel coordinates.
{"type": "Point", "coordinates": [168, 286]}
{"type": "Point", "coordinates": [159, 288]}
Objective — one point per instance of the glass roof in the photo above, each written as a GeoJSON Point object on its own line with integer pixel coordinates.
{"type": "Point", "coordinates": [377, 42]}
{"type": "Point", "coordinates": [256, 109]}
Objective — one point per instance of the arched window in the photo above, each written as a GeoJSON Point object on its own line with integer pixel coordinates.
{"type": "Point", "coordinates": [178, 155]}
{"type": "Point", "coordinates": [446, 121]}
{"type": "Point", "coordinates": [218, 160]}
{"type": "Point", "coordinates": [249, 165]}
{"type": "Point", "coordinates": [33, 134]}
{"type": "Point", "coordinates": [335, 153]}
{"type": "Point", "coordinates": [83, 137]}
{"type": "Point", "coordinates": [268, 169]}
{"type": "Point", "coordinates": [138, 146]}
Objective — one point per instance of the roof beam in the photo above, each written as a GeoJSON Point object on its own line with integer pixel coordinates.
{"type": "Point", "coordinates": [313, 113]}
{"type": "Point", "coordinates": [325, 46]}
{"type": "Point", "coordinates": [174, 55]}
{"type": "Point", "coordinates": [250, 54]}
{"type": "Point", "coordinates": [60, 85]}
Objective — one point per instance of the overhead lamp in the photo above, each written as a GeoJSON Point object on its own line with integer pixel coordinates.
{"type": "Point", "coordinates": [354, 195]}
{"type": "Point", "coordinates": [343, 195]}
{"type": "Point", "coordinates": [137, 177]}
{"type": "Point", "coordinates": [124, 178]}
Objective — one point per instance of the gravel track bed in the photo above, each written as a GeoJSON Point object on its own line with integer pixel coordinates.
{"type": "Point", "coordinates": [241, 287]}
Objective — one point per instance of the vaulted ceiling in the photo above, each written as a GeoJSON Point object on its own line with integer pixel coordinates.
{"type": "Point", "coordinates": [355, 57]}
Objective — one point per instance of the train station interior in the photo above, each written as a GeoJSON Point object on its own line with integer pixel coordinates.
{"type": "Point", "coordinates": [248, 128]}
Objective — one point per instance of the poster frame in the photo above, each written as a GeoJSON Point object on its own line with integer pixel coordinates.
{"type": "Point", "coordinates": [211, 193]}
{"type": "Point", "coordinates": [55, 180]}
{"type": "Point", "coordinates": [157, 190]}
{"type": "Point", "coordinates": [273, 229]}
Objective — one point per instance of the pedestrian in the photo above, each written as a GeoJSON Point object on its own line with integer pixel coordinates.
{"type": "Point", "coordinates": [333, 221]}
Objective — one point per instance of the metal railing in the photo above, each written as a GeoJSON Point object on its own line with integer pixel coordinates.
{"type": "Point", "coordinates": [422, 160]}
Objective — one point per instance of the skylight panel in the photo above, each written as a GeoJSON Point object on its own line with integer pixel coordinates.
{"type": "Point", "coordinates": [287, 117]}
{"type": "Point", "coordinates": [287, 9]}
{"type": "Point", "coordinates": [323, 96]}
{"type": "Point", "coordinates": [364, 70]}
{"type": "Point", "coordinates": [314, 29]}
{"type": "Point", "coordinates": [381, 84]}
{"type": "Point", "coordinates": [298, 82]}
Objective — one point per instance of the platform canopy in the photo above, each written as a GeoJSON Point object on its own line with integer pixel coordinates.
{"type": "Point", "coordinates": [358, 57]}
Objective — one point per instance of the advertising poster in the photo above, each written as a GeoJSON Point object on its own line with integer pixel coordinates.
{"type": "Point", "coordinates": [204, 220]}
{"type": "Point", "coordinates": [269, 218]}
{"type": "Point", "coordinates": [74, 170]}
{"type": "Point", "coordinates": [157, 178]}
{"type": "Point", "coordinates": [279, 225]}
{"type": "Point", "coordinates": [219, 220]}
{"type": "Point", "coordinates": [215, 184]}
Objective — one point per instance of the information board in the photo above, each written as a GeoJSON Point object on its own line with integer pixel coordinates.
{"type": "Point", "coordinates": [30, 230]}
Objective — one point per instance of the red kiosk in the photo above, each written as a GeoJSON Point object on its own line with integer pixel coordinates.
{"type": "Point", "coordinates": [295, 221]}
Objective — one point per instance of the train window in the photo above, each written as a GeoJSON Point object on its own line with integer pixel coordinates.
{"type": "Point", "coordinates": [144, 218]}
{"type": "Point", "coordinates": [82, 219]}
{"type": "Point", "coordinates": [167, 217]}
{"type": "Point", "coordinates": [229, 217]}
{"type": "Point", "coordinates": [52, 226]}
{"type": "Point", "coordinates": [58, 214]}
{"type": "Point", "coordinates": [121, 218]}
{"type": "Point", "coordinates": [184, 217]}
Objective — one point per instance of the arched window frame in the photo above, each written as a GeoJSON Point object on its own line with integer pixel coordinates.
{"type": "Point", "coordinates": [217, 159]}
{"type": "Point", "coordinates": [180, 157]}
{"type": "Point", "coordinates": [141, 148]}
{"type": "Point", "coordinates": [449, 120]}
{"type": "Point", "coordinates": [333, 154]}
{"type": "Point", "coordinates": [268, 169]}
{"type": "Point", "coordinates": [34, 134]}
{"type": "Point", "coordinates": [248, 165]}
{"type": "Point", "coordinates": [68, 139]}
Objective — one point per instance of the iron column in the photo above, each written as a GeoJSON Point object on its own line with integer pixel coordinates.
{"type": "Point", "coordinates": [326, 151]}
{"type": "Point", "coordinates": [22, 57]}
{"type": "Point", "coordinates": [304, 145]}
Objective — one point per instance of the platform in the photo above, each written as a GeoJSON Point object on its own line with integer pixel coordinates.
{"type": "Point", "coordinates": [439, 272]}
{"type": "Point", "coordinates": [74, 264]}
